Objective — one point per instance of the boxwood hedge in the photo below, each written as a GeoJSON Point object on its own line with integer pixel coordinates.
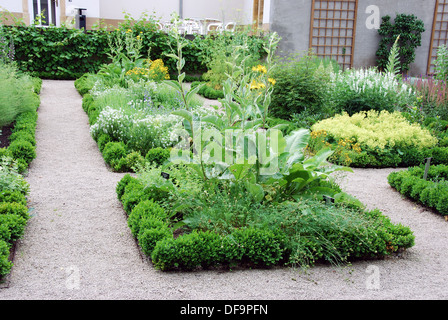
{"type": "Point", "coordinates": [431, 192]}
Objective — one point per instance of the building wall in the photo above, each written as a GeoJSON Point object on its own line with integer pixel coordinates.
{"type": "Point", "coordinates": [292, 19]}
{"type": "Point", "coordinates": [112, 11]}
{"type": "Point", "coordinates": [367, 40]}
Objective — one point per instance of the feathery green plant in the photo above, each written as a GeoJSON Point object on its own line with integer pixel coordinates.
{"type": "Point", "coordinates": [393, 64]}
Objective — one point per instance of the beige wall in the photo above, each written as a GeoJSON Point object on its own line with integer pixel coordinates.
{"type": "Point", "coordinates": [224, 10]}
{"type": "Point", "coordinates": [111, 12]}
{"type": "Point", "coordinates": [113, 9]}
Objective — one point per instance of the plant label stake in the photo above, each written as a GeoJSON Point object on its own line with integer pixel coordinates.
{"type": "Point", "coordinates": [165, 175]}
{"type": "Point", "coordinates": [428, 163]}
{"type": "Point", "coordinates": [328, 200]}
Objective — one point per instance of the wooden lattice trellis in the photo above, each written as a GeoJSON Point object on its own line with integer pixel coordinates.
{"type": "Point", "coordinates": [333, 28]}
{"type": "Point", "coordinates": [439, 34]}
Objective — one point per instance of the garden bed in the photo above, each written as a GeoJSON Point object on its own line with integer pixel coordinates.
{"type": "Point", "coordinates": [377, 139]}
{"type": "Point", "coordinates": [19, 101]}
{"type": "Point", "coordinates": [430, 191]}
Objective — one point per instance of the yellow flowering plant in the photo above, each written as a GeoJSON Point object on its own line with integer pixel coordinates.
{"type": "Point", "coordinates": [379, 137]}
{"type": "Point", "coordinates": [150, 70]}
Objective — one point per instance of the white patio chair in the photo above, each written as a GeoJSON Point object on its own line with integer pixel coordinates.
{"type": "Point", "coordinates": [230, 26]}
{"type": "Point", "coordinates": [193, 26]}
{"type": "Point", "coordinates": [214, 27]}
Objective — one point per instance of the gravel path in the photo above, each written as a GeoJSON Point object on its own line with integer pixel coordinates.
{"type": "Point", "coordinates": [78, 246]}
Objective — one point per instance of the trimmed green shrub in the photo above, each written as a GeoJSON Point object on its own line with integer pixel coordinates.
{"type": "Point", "coordinates": [12, 196]}
{"type": "Point", "coordinates": [24, 136]}
{"type": "Point", "coordinates": [83, 85]}
{"type": "Point", "coordinates": [148, 238]}
{"type": "Point", "coordinates": [208, 92]}
{"type": "Point", "coordinates": [129, 163]}
{"type": "Point", "coordinates": [15, 226]}
{"type": "Point", "coordinates": [120, 188]}
{"type": "Point", "coordinates": [432, 192]}
{"type": "Point", "coordinates": [144, 209]}
{"type": "Point", "coordinates": [103, 139]}
{"type": "Point", "coordinates": [5, 264]}
{"type": "Point", "coordinates": [252, 246]}
{"type": "Point", "coordinates": [87, 100]}
{"type": "Point", "coordinates": [14, 208]}
{"type": "Point", "coordinates": [186, 252]}
{"type": "Point", "coordinates": [22, 149]}
{"type": "Point", "coordinates": [113, 152]}
{"type": "Point", "coordinates": [261, 247]}
{"type": "Point", "coordinates": [157, 155]}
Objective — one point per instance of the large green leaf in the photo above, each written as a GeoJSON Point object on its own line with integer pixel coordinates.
{"type": "Point", "coordinates": [255, 190]}
{"type": "Point", "coordinates": [297, 140]}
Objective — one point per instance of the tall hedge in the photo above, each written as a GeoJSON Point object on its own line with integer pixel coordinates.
{"type": "Point", "coordinates": [64, 53]}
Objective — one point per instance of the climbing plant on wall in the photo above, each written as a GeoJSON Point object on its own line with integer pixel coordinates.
{"type": "Point", "coordinates": [410, 30]}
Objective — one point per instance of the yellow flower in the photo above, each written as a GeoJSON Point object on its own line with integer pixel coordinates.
{"type": "Point", "coordinates": [272, 81]}
{"type": "Point", "coordinates": [256, 85]}
{"type": "Point", "coordinates": [129, 30]}
{"type": "Point", "coordinates": [260, 68]}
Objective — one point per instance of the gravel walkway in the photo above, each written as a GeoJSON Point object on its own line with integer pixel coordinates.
{"type": "Point", "coordinates": [78, 246]}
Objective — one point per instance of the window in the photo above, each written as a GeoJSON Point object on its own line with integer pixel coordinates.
{"type": "Point", "coordinates": [47, 10]}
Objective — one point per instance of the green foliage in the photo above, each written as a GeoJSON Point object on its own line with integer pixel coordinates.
{"type": "Point", "coordinates": [22, 149]}
{"type": "Point", "coordinates": [84, 84]}
{"type": "Point", "coordinates": [207, 249]}
{"type": "Point", "coordinates": [208, 92]}
{"type": "Point", "coordinates": [143, 210]}
{"type": "Point", "coordinates": [113, 152]}
{"type": "Point", "coordinates": [432, 192]}
{"type": "Point", "coordinates": [16, 94]}
{"type": "Point", "coordinates": [12, 196]}
{"type": "Point", "coordinates": [393, 64]}
{"type": "Point", "coordinates": [149, 237]}
{"type": "Point", "coordinates": [219, 54]}
{"type": "Point", "coordinates": [300, 86]}
{"type": "Point", "coordinates": [121, 185]}
{"type": "Point", "coordinates": [14, 208]}
{"type": "Point", "coordinates": [441, 63]}
{"type": "Point", "coordinates": [356, 90]}
{"type": "Point", "coordinates": [157, 155]}
{"type": "Point", "coordinates": [5, 264]}
{"type": "Point", "coordinates": [410, 30]}
{"type": "Point", "coordinates": [12, 226]}
{"type": "Point", "coordinates": [103, 139]}
{"type": "Point", "coordinates": [10, 179]}
{"type": "Point", "coordinates": [373, 139]}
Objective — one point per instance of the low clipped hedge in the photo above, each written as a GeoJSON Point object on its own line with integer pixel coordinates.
{"type": "Point", "coordinates": [247, 246]}
{"type": "Point", "coordinates": [13, 220]}
{"type": "Point", "coordinates": [13, 203]}
{"type": "Point", "coordinates": [207, 91]}
{"type": "Point", "coordinates": [149, 224]}
{"type": "Point", "coordinates": [432, 192]}
{"type": "Point", "coordinates": [115, 153]}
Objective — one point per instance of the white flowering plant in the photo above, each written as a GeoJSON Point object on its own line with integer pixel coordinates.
{"type": "Point", "coordinates": [355, 90]}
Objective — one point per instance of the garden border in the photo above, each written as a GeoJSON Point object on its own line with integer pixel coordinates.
{"type": "Point", "coordinates": [412, 184]}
